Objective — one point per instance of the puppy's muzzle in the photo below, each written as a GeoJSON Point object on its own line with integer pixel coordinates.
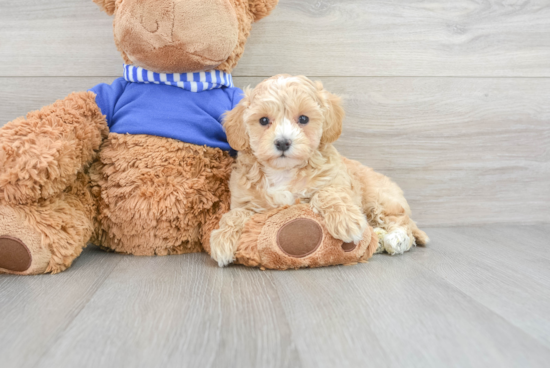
{"type": "Point", "coordinates": [283, 145]}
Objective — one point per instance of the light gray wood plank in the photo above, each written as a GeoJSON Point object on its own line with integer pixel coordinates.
{"type": "Point", "coordinates": [525, 252]}
{"type": "Point", "coordinates": [178, 311]}
{"type": "Point", "coordinates": [418, 318]}
{"type": "Point", "coordinates": [56, 38]}
{"type": "Point", "coordinates": [323, 38]}
{"type": "Point", "coordinates": [402, 38]}
{"type": "Point", "coordinates": [496, 266]}
{"type": "Point", "coordinates": [465, 150]}
{"type": "Point", "coordinates": [36, 310]}
{"type": "Point", "coordinates": [540, 240]}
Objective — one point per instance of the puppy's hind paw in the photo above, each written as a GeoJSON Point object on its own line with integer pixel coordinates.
{"type": "Point", "coordinates": [397, 242]}
{"type": "Point", "coordinates": [380, 233]}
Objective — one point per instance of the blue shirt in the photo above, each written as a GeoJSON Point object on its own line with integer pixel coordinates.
{"type": "Point", "coordinates": [167, 111]}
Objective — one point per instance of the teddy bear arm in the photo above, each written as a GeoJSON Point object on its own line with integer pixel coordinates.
{"type": "Point", "coordinates": [42, 154]}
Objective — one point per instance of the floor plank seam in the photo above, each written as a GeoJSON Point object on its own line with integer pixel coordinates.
{"type": "Point", "coordinates": [298, 352]}
{"type": "Point", "coordinates": [482, 305]}
{"type": "Point", "coordinates": [387, 353]}
{"type": "Point", "coordinates": [69, 323]}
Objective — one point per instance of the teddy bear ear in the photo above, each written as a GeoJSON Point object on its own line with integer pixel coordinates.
{"type": "Point", "coordinates": [261, 8]}
{"type": "Point", "coordinates": [108, 6]}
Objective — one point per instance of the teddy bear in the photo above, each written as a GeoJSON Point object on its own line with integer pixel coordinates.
{"type": "Point", "coordinates": [138, 166]}
{"type": "Point", "coordinates": [141, 166]}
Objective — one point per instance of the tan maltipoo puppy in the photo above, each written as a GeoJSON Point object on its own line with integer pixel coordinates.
{"type": "Point", "coordinates": [284, 130]}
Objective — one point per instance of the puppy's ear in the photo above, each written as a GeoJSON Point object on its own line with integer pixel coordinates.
{"type": "Point", "coordinates": [108, 6]}
{"type": "Point", "coordinates": [234, 125]}
{"type": "Point", "coordinates": [334, 114]}
{"type": "Point", "coordinates": [261, 8]}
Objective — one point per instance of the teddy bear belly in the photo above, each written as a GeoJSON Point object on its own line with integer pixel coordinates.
{"type": "Point", "coordinates": [156, 194]}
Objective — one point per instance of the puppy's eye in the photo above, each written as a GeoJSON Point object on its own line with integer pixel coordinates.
{"type": "Point", "coordinates": [264, 121]}
{"type": "Point", "coordinates": [303, 120]}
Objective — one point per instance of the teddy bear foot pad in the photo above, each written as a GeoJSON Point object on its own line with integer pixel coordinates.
{"type": "Point", "coordinates": [301, 237]}
{"type": "Point", "coordinates": [14, 254]}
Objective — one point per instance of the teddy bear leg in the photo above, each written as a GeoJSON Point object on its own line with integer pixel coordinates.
{"type": "Point", "coordinates": [46, 237]}
{"type": "Point", "coordinates": [44, 219]}
{"type": "Point", "coordinates": [296, 237]}
{"type": "Point", "coordinates": [158, 194]}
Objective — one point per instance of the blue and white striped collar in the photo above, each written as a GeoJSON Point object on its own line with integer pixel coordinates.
{"type": "Point", "coordinates": [194, 82]}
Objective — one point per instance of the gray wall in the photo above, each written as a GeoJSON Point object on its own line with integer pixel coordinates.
{"type": "Point", "coordinates": [449, 98]}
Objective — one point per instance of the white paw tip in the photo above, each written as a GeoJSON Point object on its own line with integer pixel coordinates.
{"type": "Point", "coordinates": [221, 258]}
{"type": "Point", "coordinates": [396, 242]}
{"type": "Point", "coordinates": [222, 262]}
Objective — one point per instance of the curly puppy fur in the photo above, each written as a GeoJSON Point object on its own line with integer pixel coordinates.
{"type": "Point", "coordinates": [306, 169]}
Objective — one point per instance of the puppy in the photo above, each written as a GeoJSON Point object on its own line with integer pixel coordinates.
{"type": "Point", "coordinates": [284, 130]}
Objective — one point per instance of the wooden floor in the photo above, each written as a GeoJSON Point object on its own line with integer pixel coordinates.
{"type": "Point", "coordinates": [476, 297]}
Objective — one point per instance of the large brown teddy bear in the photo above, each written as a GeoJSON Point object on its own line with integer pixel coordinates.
{"type": "Point", "coordinates": [140, 166]}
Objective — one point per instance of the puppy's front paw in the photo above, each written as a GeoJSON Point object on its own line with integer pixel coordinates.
{"type": "Point", "coordinates": [349, 228]}
{"type": "Point", "coordinates": [223, 246]}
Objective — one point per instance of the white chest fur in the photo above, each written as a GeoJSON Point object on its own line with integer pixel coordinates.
{"type": "Point", "coordinates": [279, 186]}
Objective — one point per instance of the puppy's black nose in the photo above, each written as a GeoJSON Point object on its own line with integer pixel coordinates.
{"type": "Point", "coordinates": [283, 144]}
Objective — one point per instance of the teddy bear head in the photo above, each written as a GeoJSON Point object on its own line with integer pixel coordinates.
{"type": "Point", "coordinates": [183, 36]}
